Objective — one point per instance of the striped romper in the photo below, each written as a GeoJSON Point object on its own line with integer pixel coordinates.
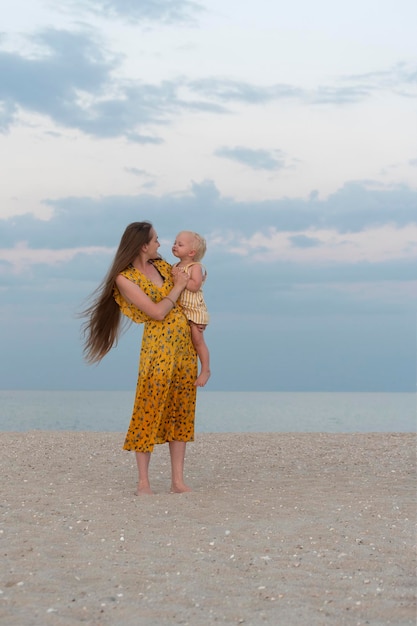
{"type": "Point", "coordinates": [193, 302]}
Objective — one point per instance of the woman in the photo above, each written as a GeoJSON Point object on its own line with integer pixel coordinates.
{"type": "Point", "coordinates": [140, 285]}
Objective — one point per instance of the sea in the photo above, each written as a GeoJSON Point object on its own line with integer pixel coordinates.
{"type": "Point", "coordinates": [217, 411]}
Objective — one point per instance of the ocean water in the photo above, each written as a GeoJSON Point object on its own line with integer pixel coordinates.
{"type": "Point", "coordinates": [217, 411]}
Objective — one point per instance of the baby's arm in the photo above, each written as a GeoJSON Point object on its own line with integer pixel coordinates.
{"type": "Point", "coordinates": [196, 278]}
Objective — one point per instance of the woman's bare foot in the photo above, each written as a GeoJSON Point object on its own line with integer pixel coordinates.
{"type": "Point", "coordinates": [180, 488]}
{"type": "Point", "coordinates": [202, 378]}
{"type": "Point", "coordinates": [144, 490]}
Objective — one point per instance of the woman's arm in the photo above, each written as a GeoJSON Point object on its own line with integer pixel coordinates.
{"type": "Point", "coordinates": [156, 310]}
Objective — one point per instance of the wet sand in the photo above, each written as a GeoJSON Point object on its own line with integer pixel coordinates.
{"type": "Point", "coordinates": [287, 529]}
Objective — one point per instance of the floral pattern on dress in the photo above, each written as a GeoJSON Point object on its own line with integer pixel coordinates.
{"type": "Point", "coordinates": [164, 407]}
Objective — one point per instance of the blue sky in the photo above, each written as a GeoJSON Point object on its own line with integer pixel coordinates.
{"type": "Point", "coordinates": [285, 133]}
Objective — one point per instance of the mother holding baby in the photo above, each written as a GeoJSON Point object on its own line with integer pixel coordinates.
{"type": "Point", "coordinates": [141, 286]}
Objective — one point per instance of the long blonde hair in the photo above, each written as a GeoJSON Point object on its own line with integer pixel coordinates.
{"type": "Point", "coordinates": [102, 326]}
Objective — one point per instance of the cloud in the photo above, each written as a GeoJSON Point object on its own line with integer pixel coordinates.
{"type": "Point", "coordinates": [239, 91]}
{"type": "Point", "coordinates": [339, 95]}
{"type": "Point", "coordinates": [21, 257]}
{"type": "Point", "coordinates": [82, 222]}
{"type": "Point", "coordinates": [69, 81]}
{"type": "Point", "coordinates": [8, 112]}
{"type": "Point", "coordinates": [399, 80]}
{"type": "Point", "coordinates": [304, 241]}
{"type": "Point", "coordinates": [160, 11]}
{"type": "Point", "coordinates": [59, 81]}
{"type": "Point", "coordinates": [262, 244]}
{"type": "Point", "coordinates": [349, 290]}
{"type": "Point", "coordinates": [143, 139]}
{"type": "Point", "coordinates": [255, 159]}
{"type": "Point", "coordinates": [373, 245]}
{"type": "Point", "coordinates": [71, 77]}
{"type": "Point", "coordinates": [136, 171]}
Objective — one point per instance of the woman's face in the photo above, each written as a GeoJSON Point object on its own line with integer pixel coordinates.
{"type": "Point", "coordinates": [153, 244]}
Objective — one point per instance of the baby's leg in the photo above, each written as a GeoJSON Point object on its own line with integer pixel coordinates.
{"type": "Point", "coordinates": [200, 346]}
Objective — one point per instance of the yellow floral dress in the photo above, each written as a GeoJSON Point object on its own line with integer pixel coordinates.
{"type": "Point", "coordinates": [164, 408]}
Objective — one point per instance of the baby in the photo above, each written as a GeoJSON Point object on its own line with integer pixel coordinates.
{"type": "Point", "coordinates": [189, 248]}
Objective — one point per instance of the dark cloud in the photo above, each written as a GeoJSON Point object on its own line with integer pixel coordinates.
{"type": "Point", "coordinates": [302, 241]}
{"type": "Point", "coordinates": [81, 221]}
{"type": "Point", "coordinates": [52, 83]}
{"type": "Point", "coordinates": [70, 82]}
{"type": "Point", "coordinates": [283, 287]}
{"type": "Point", "coordinates": [160, 11]}
{"type": "Point", "coordinates": [358, 205]}
{"type": "Point", "coordinates": [255, 159]}
{"type": "Point", "coordinates": [74, 82]}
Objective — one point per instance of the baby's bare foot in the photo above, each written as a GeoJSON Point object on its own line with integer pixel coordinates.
{"type": "Point", "coordinates": [202, 378]}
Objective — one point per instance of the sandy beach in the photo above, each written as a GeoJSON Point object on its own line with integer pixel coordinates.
{"type": "Point", "coordinates": [280, 529]}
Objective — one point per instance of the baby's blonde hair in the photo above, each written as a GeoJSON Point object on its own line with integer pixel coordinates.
{"type": "Point", "coordinates": [199, 244]}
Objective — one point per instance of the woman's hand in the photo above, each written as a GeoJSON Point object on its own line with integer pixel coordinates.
{"type": "Point", "coordinates": [180, 277]}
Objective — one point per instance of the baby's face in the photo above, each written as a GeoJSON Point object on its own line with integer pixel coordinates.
{"type": "Point", "coordinates": [183, 246]}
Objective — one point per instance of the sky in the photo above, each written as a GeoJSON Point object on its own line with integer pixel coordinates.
{"type": "Point", "coordinates": [284, 133]}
